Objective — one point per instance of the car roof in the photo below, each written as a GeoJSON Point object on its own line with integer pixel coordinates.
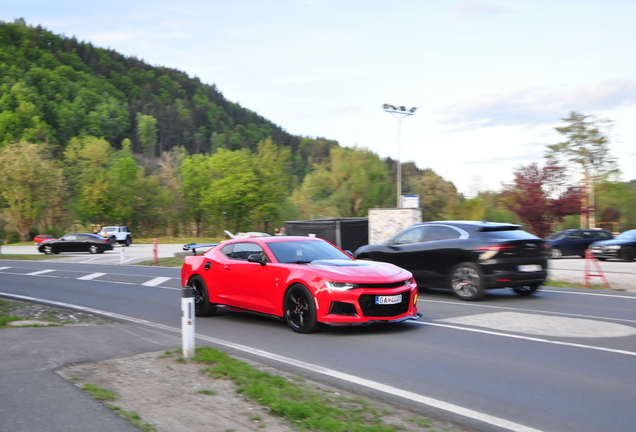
{"type": "Point", "coordinates": [469, 225]}
{"type": "Point", "coordinates": [272, 239]}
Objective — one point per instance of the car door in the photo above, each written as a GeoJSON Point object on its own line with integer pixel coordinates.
{"type": "Point", "coordinates": [437, 255]}
{"type": "Point", "coordinates": [250, 285]}
{"type": "Point", "coordinates": [402, 249]}
{"type": "Point", "coordinates": [66, 243]}
{"type": "Point", "coordinates": [574, 243]}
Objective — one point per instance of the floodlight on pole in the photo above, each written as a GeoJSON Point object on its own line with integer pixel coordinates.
{"type": "Point", "coordinates": [399, 112]}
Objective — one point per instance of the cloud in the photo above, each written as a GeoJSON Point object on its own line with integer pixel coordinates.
{"type": "Point", "coordinates": [535, 107]}
{"type": "Point", "coordinates": [472, 9]}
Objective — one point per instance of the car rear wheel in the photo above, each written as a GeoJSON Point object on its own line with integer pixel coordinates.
{"type": "Point", "coordinates": [466, 281]}
{"type": "Point", "coordinates": [555, 253]}
{"type": "Point", "coordinates": [300, 309]}
{"type": "Point", "coordinates": [128, 241]}
{"type": "Point", "coordinates": [526, 290]}
{"type": "Point", "coordinates": [628, 254]}
{"type": "Point", "coordinates": [202, 305]}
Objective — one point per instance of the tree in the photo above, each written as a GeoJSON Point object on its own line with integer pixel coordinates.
{"type": "Point", "coordinates": [147, 134]}
{"type": "Point", "coordinates": [586, 149]}
{"type": "Point", "coordinates": [541, 196]}
{"type": "Point", "coordinates": [30, 177]}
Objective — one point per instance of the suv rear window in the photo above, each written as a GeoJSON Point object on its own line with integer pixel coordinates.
{"type": "Point", "coordinates": [514, 234]}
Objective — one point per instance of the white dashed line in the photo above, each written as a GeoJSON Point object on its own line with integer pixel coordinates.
{"type": "Point", "coordinates": [4, 268]}
{"type": "Point", "coordinates": [156, 281]}
{"type": "Point", "coordinates": [40, 272]}
{"type": "Point", "coordinates": [91, 276]}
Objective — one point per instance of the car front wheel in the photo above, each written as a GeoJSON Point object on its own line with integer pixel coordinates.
{"type": "Point", "coordinates": [300, 309]}
{"type": "Point", "coordinates": [526, 290]}
{"type": "Point", "coordinates": [628, 254]}
{"type": "Point", "coordinates": [202, 305]}
{"type": "Point", "coordinates": [48, 250]}
{"type": "Point", "coordinates": [93, 249]}
{"type": "Point", "coordinates": [555, 253]}
{"type": "Point", "coordinates": [466, 281]}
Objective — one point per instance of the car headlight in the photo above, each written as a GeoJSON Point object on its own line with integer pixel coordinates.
{"type": "Point", "coordinates": [341, 286]}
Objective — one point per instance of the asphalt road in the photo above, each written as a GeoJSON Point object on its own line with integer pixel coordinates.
{"type": "Point", "coordinates": [561, 360]}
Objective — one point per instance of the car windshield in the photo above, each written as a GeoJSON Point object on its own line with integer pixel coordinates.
{"type": "Point", "coordinates": [109, 229]}
{"type": "Point", "coordinates": [627, 235]}
{"type": "Point", "coordinates": [304, 251]}
{"type": "Point", "coordinates": [557, 235]}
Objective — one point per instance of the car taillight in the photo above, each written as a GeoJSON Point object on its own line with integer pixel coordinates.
{"type": "Point", "coordinates": [496, 248]}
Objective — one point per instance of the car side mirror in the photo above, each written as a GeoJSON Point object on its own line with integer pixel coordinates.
{"type": "Point", "coordinates": [256, 258]}
{"type": "Point", "coordinates": [348, 252]}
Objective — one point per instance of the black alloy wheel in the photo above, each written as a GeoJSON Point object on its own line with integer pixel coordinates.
{"type": "Point", "coordinates": [202, 305]}
{"type": "Point", "coordinates": [526, 290]}
{"type": "Point", "coordinates": [628, 254]}
{"type": "Point", "coordinates": [300, 309]}
{"type": "Point", "coordinates": [128, 241]}
{"type": "Point", "coordinates": [466, 281]}
{"type": "Point", "coordinates": [555, 253]}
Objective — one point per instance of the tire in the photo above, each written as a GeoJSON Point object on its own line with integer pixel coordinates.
{"type": "Point", "coordinates": [93, 249]}
{"type": "Point", "coordinates": [526, 290]}
{"type": "Point", "coordinates": [555, 253]}
{"type": "Point", "coordinates": [100, 251]}
{"type": "Point", "coordinates": [467, 282]}
{"type": "Point", "coordinates": [601, 259]}
{"type": "Point", "coordinates": [202, 305]}
{"type": "Point", "coordinates": [300, 309]}
{"type": "Point", "coordinates": [628, 254]}
{"type": "Point", "coordinates": [128, 241]}
{"type": "Point", "coordinates": [48, 249]}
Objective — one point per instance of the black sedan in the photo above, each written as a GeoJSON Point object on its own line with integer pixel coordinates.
{"type": "Point", "coordinates": [77, 242]}
{"type": "Point", "coordinates": [468, 257]}
{"type": "Point", "coordinates": [623, 247]}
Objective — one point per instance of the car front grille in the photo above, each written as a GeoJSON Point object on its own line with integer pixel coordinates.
{"type": "Point", "coordinates": [382, 285]}
{"type": "Point", "coordinates": [370, 309]}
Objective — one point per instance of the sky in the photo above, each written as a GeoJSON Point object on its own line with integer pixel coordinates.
{"type": "Point", "coordinates": [491, 80]}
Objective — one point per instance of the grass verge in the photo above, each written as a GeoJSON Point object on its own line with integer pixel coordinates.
{"type": "Point", "coordinates": [163, 262]}
{"type": "Point", "coordinates": [302, 404]}
{"type": "Point", "coordinates": [108, 396]}
{"type": "Point", "coordinates": [19, 257]}
{"type": "Point", "coordinates": [564, 284]}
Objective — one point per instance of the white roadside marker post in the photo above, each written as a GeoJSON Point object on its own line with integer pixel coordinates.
{"type": "Point", "coordinates": [187, 322]}
{"type": "Point", "coordinates": [122, 255]}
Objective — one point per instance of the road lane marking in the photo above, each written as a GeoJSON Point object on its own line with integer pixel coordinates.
{"type": "Point", "coordinates": [91, 276]}
{"type": "Point", "coordinates": [156, 281]}
{"type": "Point", "coordinates": [37, 273]}
{"type": "Point", "coordinates": [543, 325]}
{"type": "Point", "coordinates": [4, 268]}
{"type": "Point", "coordinates": [477, 305]}
{"type": "Point", "coordinates": [591, 294]}
{"type": "Point", "coordinates": [512, 336]}
{"type": "Point", "coordinates": [363, 382]}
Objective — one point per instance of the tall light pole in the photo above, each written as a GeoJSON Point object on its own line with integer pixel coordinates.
{"type": "Point", "coordinates": [400, 112]}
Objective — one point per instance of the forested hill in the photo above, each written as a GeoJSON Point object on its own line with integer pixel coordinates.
{"type": "Point", "coordinates": [54, 88]}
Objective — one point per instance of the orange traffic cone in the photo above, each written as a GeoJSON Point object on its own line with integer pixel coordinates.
{"type": "Point", "coordinates": [589, 257]}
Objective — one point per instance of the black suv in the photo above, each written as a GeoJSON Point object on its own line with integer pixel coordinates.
{"type": "Point", "coordinates": [574, 241]}
{"type": "Point", "coordinates": [468, 257]}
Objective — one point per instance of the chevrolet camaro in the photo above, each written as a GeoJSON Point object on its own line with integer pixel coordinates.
{"type": "Point", "coordinates": [302, 280]}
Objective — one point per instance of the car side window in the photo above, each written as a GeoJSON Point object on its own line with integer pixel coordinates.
{"type": "Point", "coordinates": [82, 237]}
{"type": "Point", "coordinates": [588, 235]}
{"type": "Point", "coordinates": [442, 233]}
{"type": "Point", "coordinates": [227, 250]}
{"type": "Point", "coordinates": [575, 236]}
{"type": "Point", "coordinates": [414, 235]}
{"type": "Point", "coordinates": [69, 237]}
{"type": "Point", "coordinates": [603, 235]}
{"type": "Point", "coordinates": [242, 251]}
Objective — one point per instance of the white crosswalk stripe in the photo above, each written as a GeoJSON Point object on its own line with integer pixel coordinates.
{"type": "Point", "coordinates": [40, 272]}
{"type": "Point", "coordinates": [156, 281]}
{"type": "Point", "coordinates": [91, 276]}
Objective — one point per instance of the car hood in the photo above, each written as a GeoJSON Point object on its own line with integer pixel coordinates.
{"type": "Point", "coordinates": [358, 269]}
{"type": "Point", "coordinates": [612, 242]}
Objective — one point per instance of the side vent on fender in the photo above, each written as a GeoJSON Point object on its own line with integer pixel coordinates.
{"type": "Point", "coordinates": [208, 265]}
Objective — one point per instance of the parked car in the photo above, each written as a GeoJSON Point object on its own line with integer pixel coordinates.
{"type": "Point", "coordinates": [574, 241]}
{"type": "Point", "coordinates": [468, 257]}
{"type": "Point", "coordinates": [304, 281]}
{"type": "Point", "coordinates": [623, 247]}
{"type": "Point", "coordinates": [77, 242]}
{"type": "Point", "coordinates": [42, 237]}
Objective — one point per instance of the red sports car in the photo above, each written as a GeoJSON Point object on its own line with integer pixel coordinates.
{"type": "Point", "coordinates": [42, 238]}
{"type": "Point", "coordinates": [305, 281]}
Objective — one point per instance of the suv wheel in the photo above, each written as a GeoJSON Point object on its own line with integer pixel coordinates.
{"type": "Point", "coordinates": [128, 241]}
{"type": "Point", "coordinates": [466, 281]}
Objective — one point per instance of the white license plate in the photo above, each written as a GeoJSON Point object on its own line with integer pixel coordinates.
{"type": "Point", "coordinates": [530, 268]}
{"type": "Point", "coordinates": [387, 300]}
